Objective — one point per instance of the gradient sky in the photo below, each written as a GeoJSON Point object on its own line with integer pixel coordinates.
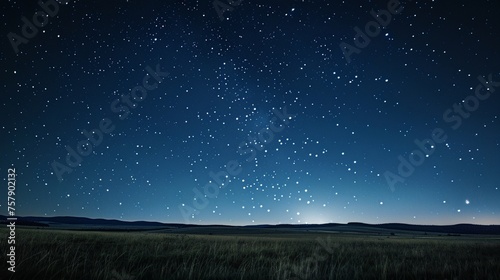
{"type": "Point", "coordinates": [229, 83]}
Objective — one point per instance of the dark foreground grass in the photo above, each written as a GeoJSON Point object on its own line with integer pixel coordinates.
{"type": "Point", "coordinates": [48, 254]}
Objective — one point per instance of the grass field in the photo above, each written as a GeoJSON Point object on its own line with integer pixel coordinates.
{"type": "Point", "coordinates": [57, 254]}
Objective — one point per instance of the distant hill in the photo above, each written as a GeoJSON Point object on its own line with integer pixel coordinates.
{"type": "Point", "coordinates": [105, 224]}
{"type": "Point", "coordinates": [67, 220]}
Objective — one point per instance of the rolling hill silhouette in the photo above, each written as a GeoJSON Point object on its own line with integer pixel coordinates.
{"type": "Point", "coordinates": [83, 223]}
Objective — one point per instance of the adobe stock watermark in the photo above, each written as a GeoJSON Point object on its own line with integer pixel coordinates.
{"type": "Point", "coordinates": [309, 267]}
{"type": "Point", "coordinates": [220, 179]}
{"type": "Point", "coordinates": [221, 7]}
{"type": "Point", "coordinates": [453, 116]}
{"type": "Point", "coordinates": [39, 20]}
{"type": "Point", "coordinates": [11, 210]}
{"type": "Point", "coordinates": [372, 29]}
{"type": "Point", "coordinates": [121, 106]}
{"type": "Point", "coordinates": [123, 275]}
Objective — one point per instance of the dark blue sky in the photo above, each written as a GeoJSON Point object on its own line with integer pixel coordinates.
{"type": "Point", "coordinates": [310, 120]}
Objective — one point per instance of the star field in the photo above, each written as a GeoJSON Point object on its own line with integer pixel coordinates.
{"type": "Point", "coordinates": [261, 117]}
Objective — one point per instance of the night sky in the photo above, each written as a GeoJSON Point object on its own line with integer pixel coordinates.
{"type": "Point", "coordinates": [267, 112]}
